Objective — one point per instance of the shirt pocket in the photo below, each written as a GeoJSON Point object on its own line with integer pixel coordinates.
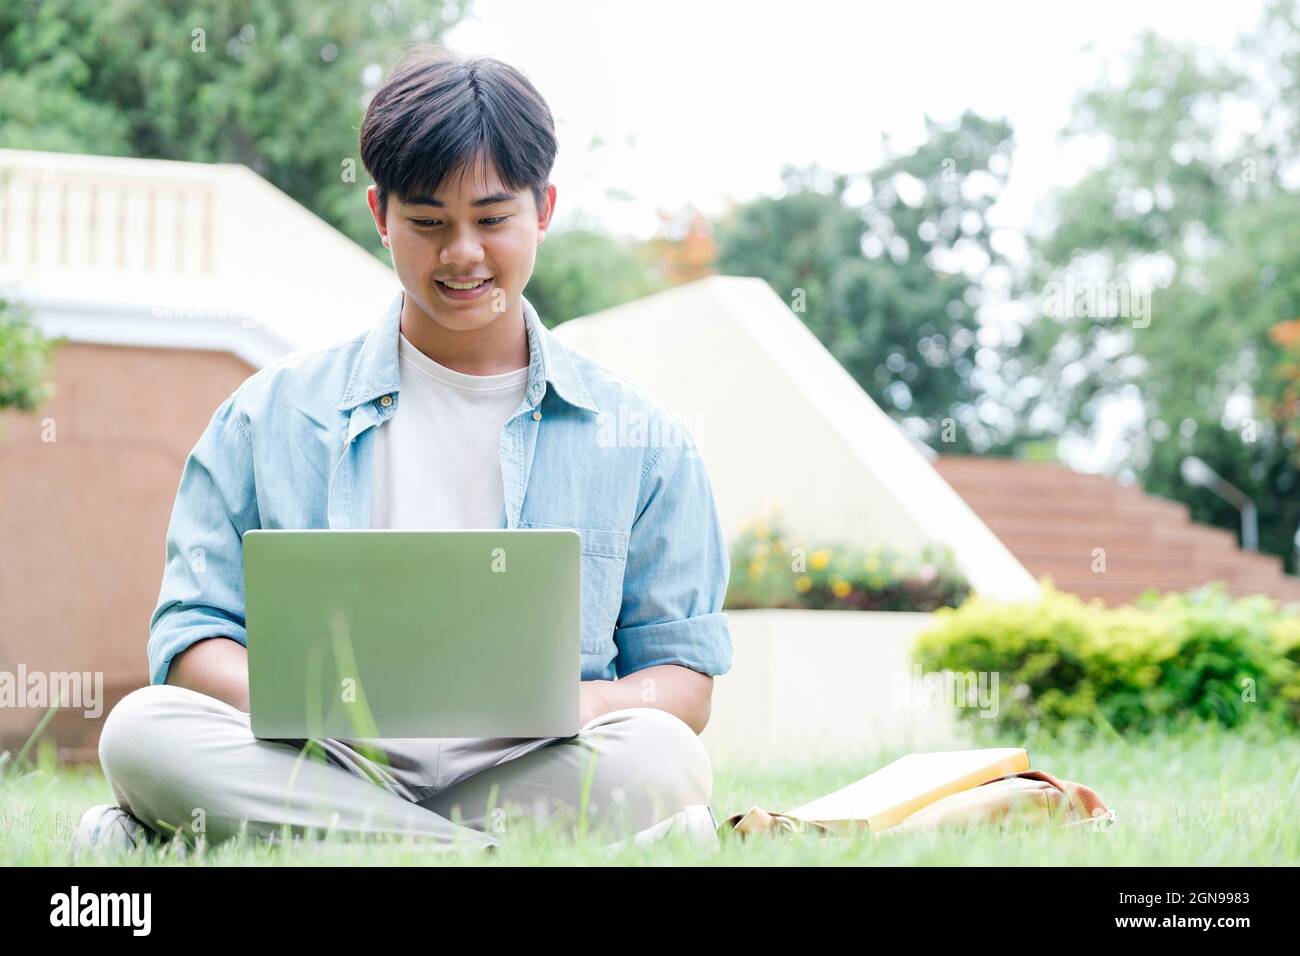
{"type": "Point", "coordinates": [604, 559]}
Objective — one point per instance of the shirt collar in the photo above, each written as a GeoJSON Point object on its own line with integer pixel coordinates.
{"type": "Point", "coordinates": [375, 372]}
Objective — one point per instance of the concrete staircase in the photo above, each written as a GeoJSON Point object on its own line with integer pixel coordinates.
{"type": "Point", "coordinates": [1053, 520]}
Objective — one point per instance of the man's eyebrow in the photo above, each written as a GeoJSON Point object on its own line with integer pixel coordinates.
{"type": "Point", "coordinates": [485, 201]}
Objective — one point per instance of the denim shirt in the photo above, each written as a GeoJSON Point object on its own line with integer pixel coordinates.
{"type": "Point", "coordinates": [293, 446]}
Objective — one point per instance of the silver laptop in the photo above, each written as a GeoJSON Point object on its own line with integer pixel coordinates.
{"type": "Point", "coordinates": [394, 633]}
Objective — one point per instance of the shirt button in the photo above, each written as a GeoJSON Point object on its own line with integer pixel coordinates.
{"type": "Point", "coordinates": [386, 401]}
{"type": "Point", "coordinates": [537, 416]}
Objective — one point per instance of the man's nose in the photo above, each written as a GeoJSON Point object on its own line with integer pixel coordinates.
{"type": "Point", "coordinates": [464, 249]}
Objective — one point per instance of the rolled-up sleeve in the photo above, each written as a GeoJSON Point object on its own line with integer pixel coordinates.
{"type": "Point", "coordinates": [677, 570]}
{"type": "Point", "coordinates": [202, 592]}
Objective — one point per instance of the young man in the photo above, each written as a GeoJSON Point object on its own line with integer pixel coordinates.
{"type": "Point", "coordinates": [457, 410]}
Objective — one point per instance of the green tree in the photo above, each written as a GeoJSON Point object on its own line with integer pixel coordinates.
{"type": "Point", "coordinates": [890, 283]}
{"type": "Point", "coordinates": [278, 85]}
{"type": "Point", "coordinates": [1209, 226]}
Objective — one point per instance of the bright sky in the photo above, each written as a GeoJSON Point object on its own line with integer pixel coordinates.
{"type": "Point", "coordinates": [697, 100]}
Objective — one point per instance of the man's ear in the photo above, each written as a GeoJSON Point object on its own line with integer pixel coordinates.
{"type": "Point", "coordinates": [546, 212]}
{"type": "Point", "coordinates": [381, 224]}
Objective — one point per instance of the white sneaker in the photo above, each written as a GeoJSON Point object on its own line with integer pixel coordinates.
{"type": "Point", "coordinates": [695, 824]}
{"type": "Point", "coordinates": [110, 829]}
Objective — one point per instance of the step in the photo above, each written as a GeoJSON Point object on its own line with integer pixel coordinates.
{"type": "Point", "coordinates": [1054, 527]}
{"type": "Point", "coordinates": [1098, 500]}
{"type": "Point", "coordinates": [1049, 522]}
{"type": "Point", "coordinates": [976, 479]}
{"type": "Point", "coordinates": [1143, 563]}
{"type": "Point", "coordinates": [1052, 519]}
{"type": "Point", "coordinates": [1121, 591]}
{"type": "Point", "coordinates": [1022, 505]}
{"type": "Point", "coordinates": [1188, 574]}
{"type": "Point", "coordinates": [1007, 471]}
{"type": "Point", "coordinates": [1079, 485]}
{"type": "Point", "coordinates": [1166, 544]}
{"type": "Point", "coordinates": [1170, 547]}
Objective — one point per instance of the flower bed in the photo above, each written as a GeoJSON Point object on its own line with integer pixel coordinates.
{"type": "Point", "coordinates": [771, 569]}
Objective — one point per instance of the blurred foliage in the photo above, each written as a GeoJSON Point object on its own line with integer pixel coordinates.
{"type": "Point", "coordinates": [277, 85]}
{"type": "Point", "coordinates": [885, 267]}
{"type": "Point", "coordinates": [685, 249]}
{"type": "Point", "coordinates": [1202, 208]}
{"type": "Point", "coordinates": [890, 281]}
{"type": "Point", "coordinates": [25, 360]}
{"type": "Point", "coordinates": [1144, 667]}
{"type": "Point", "coordinates": [580, 270]}
{"type": "Point", "coordinates": [770, 568]}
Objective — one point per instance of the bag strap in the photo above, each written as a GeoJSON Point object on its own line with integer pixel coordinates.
{"type": "Point", "coordinates": [1085, 803]}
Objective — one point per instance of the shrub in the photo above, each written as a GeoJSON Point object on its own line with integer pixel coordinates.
{"type": "Point", "coordinates": [1195, 656]}
{"type": "Point", "coordinates": [25, 359]}
{"type": "Point", "coordinates": [770, 569]}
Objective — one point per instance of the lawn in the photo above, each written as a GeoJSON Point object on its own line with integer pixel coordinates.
{"type": "Point", "coordinates": [1208, 797]}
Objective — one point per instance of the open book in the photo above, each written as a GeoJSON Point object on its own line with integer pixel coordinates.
{"type": "Point", "coordinates": [897, 790]}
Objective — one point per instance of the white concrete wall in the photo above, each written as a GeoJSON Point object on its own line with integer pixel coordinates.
{"type": "Point", "coordinates": [781, 423]}
{"type": "Point", "coordinates": [811, 684]}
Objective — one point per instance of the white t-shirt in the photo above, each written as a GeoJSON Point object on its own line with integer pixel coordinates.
{"type": "Point", "coordinates": [437, 459]}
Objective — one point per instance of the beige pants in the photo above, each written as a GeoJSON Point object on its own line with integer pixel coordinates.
{"type": "Point", "coordinates": [181, 760]}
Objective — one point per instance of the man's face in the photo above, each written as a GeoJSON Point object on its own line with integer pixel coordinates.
{"type": "Point", "coordinates": [473, 229]}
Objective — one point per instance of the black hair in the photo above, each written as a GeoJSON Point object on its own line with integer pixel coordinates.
{"type": "Point", "coordinates": [439, 110]}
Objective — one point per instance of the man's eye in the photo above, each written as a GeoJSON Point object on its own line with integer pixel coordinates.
{"type": "Point", "coordinates": [494, 221]}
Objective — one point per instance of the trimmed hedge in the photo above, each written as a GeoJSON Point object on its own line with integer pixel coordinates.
{"type": "Point", "coordinates": [1166, 660]}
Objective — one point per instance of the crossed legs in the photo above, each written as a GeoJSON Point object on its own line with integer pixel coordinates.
{"type": "Point", "coordinates": [181, 760]}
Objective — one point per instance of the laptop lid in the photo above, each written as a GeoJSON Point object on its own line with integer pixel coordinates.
{"type": "Point", "coordinates": [358, 633]}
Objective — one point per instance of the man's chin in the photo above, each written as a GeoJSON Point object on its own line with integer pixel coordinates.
{"type": "Point", "coordinates": [459, 317]}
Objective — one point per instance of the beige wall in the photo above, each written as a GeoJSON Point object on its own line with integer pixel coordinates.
{"type": "Point", "coordinates": [83, 518]}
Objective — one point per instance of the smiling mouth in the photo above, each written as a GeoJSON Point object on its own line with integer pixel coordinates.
{"type": "Point", "coordinates": [463, 286]}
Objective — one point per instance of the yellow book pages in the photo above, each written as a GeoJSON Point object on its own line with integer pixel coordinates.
{"type": "Point", "coordinates": [884, 798]}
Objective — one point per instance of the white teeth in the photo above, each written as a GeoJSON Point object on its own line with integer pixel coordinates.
{"type": "Point", "coordinates": [464, 285]}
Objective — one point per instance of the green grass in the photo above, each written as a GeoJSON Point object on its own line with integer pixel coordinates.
{"type": "Point", "coordinates": [1204, 797]}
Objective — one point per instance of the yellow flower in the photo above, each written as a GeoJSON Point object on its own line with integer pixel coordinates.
{"type": "Point", "coordinates": [819, 559]}
{"type": "Point", "coordinates": [761, 529]}
{"type": "Point", "coordinates": [872, 563]}
{"type": "Point", "coordinates": [802, 583]}
{"type": "Point", "coordinates": [762, 549]}
{"type": "Point", "coordinates": [841, 588]}
{"type": "Point", "coordinates": [756, 568]}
